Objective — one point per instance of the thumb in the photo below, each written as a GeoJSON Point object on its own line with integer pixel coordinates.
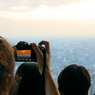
{"type": "Point", "coordinates": [37, 50]}
{"type": "Point", "coordinates": [39, 57]}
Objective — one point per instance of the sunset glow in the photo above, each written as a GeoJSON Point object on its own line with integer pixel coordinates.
{"type": "Point", "coordinates": [23, 52]}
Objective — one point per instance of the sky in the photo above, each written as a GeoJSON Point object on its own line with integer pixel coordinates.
{"type": "Point", "coordinates": [47, 18]}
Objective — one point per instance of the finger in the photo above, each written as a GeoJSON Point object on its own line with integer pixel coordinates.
{"type": "Point", "coordinates": [47, 45]}
{"type": "Point", "coordinates": [37, 50]}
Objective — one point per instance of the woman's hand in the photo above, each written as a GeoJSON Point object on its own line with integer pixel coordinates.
{"type": "Point", "coordinates": [40, 55]}
{"type": "Point", "coordinates": [50, 86]}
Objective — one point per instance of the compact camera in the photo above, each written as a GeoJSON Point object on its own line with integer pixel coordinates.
{"type": "Point", "coordinates": [25, 52]}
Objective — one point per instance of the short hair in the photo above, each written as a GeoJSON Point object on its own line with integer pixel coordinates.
{"type": "Point", "coordinates": [74, 80]}
{"type": "Point", "coordinates": [30, 79]}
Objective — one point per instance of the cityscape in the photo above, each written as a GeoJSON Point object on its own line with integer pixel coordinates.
{"type": "Point", "coordinates": [66, 51]}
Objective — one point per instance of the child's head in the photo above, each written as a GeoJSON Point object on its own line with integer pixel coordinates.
{"type": "Point", "coordinates": [74, 80]}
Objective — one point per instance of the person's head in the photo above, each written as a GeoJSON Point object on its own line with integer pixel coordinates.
{"type": "Point", "coordinates": [30, 79]}
{"type": "Point", "coordinates": [6, 65]}
{"type": "Point", "coordinates": [74, 80]}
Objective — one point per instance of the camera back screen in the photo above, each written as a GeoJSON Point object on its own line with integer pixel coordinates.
{"type": "Point", "coordinates": [24, 55]}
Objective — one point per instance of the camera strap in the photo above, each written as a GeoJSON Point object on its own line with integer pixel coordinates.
{"type": "Point", "coordinates": [43, 74]}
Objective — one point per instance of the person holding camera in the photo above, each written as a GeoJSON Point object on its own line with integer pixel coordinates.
{"type": "Point", "coordinates": [28, 72]}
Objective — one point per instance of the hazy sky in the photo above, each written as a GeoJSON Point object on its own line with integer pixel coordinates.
{"type": "Point", "coordinates": [47, 18]}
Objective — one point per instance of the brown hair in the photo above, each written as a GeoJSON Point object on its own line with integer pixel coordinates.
{"type": "Point", "coordinates": [3, 74]}
{"type": "Point", "coordinates": [7, 49]}
{"type": "Point", "coordinates": [74, 80]}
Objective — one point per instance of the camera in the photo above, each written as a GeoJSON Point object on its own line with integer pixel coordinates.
{"type": "Point", "coordinates": [25, 52]}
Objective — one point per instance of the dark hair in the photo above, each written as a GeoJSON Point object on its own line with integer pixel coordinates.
{"type": "Point", "coordinates": [74, 80]}
{"type": "Point", "coordinates": [30, 79]}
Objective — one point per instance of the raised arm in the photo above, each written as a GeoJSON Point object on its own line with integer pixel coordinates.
{"type": "Point", "coordinates": [51, 88]}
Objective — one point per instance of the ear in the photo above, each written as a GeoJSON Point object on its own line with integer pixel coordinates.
{"type": "Point", "coordinates": [3, 55]}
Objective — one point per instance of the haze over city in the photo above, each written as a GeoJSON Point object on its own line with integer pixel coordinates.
{"type": "Point", "coordinates": [48, 18]}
